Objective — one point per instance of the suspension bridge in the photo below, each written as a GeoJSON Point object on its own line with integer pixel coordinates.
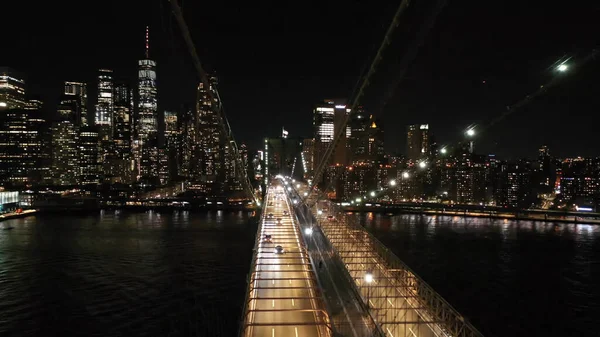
{"type": "Point", "coordinates": [315, 272]}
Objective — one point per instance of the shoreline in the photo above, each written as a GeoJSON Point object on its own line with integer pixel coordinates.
{"type": "Point", "coordinates": [506, 216]}
{"type": "Point", "coordinates": [24, 214]}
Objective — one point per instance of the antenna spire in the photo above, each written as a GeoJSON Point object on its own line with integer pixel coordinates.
{"type": "Point", "coordinates": [147, 44]}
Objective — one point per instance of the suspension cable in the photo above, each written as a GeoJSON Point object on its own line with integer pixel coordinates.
{"type": "Point", "coordinates": [219, 113]}
{"type": "Point", "coordinates": [355, 101]}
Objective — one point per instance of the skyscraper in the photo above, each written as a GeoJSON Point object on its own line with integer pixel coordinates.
{"type": "Point", "coordinates": [65, 137]}
{"type": "Point", "coordinates": [122, 166]}
{"type": "Point", "coordinates": [147, 119]}
{"type": "Point", "coordinates": [23, 147]}
{"type": "Point", "coordinates": [417, 141]}
{"type": "Point", "coordinates": [172, 142]}
{"type": "Point", "coordinates": [105, 106]}
{"type": "Point", "coordinates": [145, 145]}
{"type": "Point", "coordinates": [65, 153]}
{"type": "Point", "coordinates": [89, 155]}
{"type": "Point", "coordinates": [208, 169]}
{"type": "Point", "coordinates": [12, 89]}
{"type": "Point", "coordinates": [77, 92]}
{"type": "Point", "coordinates": [327, 119]}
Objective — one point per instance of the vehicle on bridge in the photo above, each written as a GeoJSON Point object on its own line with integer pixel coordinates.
{"type": "Point", "coordinates": [268, 238]}
{"type": "Point", "coordinates": [286, 213]}
{"type": "Point", "coordinates": [279, 221]}
{"type": "Point", "coordinates": [279, 250]}
{"type": "Point", "coordinates": [270, 215]}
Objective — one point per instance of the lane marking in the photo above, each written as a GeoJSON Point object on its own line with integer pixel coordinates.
{"type": "Point", "coordinates": [273, 332]}
{"type": "Point", "coordinates": [292, 302]}
{"type": "Point", "coordinates": [388, 330]}
{"type": "Point", "coordinates": [391, 302]}
{"type": "Point", "coordinates": [273, 281]}
{"type": "Point", "coordinates": [290, 281]}
{"type": "Point", "coordinates": [295, 328]}
{"type": "Point", "coordinates": [273, 303]}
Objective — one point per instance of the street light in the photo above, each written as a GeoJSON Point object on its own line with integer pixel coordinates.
{"type": "Point", "coordinates": [289, 188]}
{"type": "Point", "coordinates": [358, 200]}
{"type": "Point", "coordinates": [471, 132]}
{"type": "Point", "coordinates": [308, 231]}
{"type": "Point", "coordinates": [295, 201]}
{"type": "Point", "coordinates": [372, 193]}
{"type": "Point", "coordinates": [305, 194]}
{"type": "Point", "coordinates": [368, 280]}
{"type": "Point", "coordinates": [422, 164]}
{"type": "Point", "coordinates": [562, 68]}
{"type": "Point", "coordinates": [405, 175]}
{"type": "Point", "coordinates": [319, 212]}
{"type": "Point", "coordinates": [392, 182]}
{"type": "Point", "coordinates": [443, 150]}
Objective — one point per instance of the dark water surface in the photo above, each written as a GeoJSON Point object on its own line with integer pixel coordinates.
{"type": "Point", "coordinates": [508, 278]}
{"type": "Point", "coordinates": [124, 274]}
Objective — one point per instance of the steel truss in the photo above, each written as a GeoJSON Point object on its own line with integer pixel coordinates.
{"type": "Point", "coordinates": [398, 300]}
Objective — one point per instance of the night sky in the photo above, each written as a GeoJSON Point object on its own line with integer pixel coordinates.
{"type": "Point", "coordinates": [276, 59]}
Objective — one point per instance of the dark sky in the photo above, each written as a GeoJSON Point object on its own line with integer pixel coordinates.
{"type": "Point", "coordinates": [276, 59]}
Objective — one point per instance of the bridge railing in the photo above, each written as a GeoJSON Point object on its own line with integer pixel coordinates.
{"type": "Point", "coordinates": [249, 277]}
{"type": "Point", "coordinates": [413, 306]}
{"type": "Point", "coordinates": [320, 250]}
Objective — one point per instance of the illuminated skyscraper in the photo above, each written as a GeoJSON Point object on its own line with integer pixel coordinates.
{"type": "Point", "coordinates": [327, 119]}
{"type": "Point", "coordinates": [208, 168]}
{"type": "Point", "coordinates": [417, 141]}
{"type": "Point", "coordinates": [65, 153]}
{"type": "Point", "coordinates": [121, 167]}
{"type": "Point", "coordinates": [77, 92]}
{"type": "Point", "coordinates": [145, 147]}
{"type": "Point", "coordinates": [89, 156]}
{"type": "Point", "coordinates": [23, 147]}
{"type": "Point", "coordinates": [105, 106]}
{"type": "Point", "coordinates": [12, 89]}
{"type": "Point", "coordinates": [187, 146]}
{"type": "Point", "coordinates": [147, 119]}
{"type": "Point", "coordinates": [65, 139]}
{"type": "Point", "coordinates": [172, 143]}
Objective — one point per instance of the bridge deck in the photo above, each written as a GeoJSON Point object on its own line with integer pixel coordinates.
{"type": "Point", "coordinates": [399, 301]}
{"type": "Point", "coordinates": [283, 297]}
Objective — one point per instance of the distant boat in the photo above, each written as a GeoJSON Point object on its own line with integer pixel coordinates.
{"type": "Point", "coordinates": [7, 228]}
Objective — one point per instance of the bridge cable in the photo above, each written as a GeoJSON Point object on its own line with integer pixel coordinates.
{"type": "Point", "coordinates": [365, 83]}
{"type": "Point", "coordinates": [413, 50]}
{"type": "Point", "coordinates": [220, 112]}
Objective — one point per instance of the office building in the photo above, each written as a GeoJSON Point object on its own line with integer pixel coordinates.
{"type": "Point", "coordinates": [76, 92]}
{"type": "Point", "coordinates": [105, 106]}
{"type": "Point", "coordinates": [418, 142]}
{"type": "Point", "coordinates": [12, 89]}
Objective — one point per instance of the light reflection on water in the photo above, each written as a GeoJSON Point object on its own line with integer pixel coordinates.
{"type": "Point", "coordinates": [119, 273]}
{"type": "Point", "coordinates": [510, 278]}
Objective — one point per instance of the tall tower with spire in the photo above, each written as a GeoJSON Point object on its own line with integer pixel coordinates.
{"type": "Point", "coordinates": [146, 130]}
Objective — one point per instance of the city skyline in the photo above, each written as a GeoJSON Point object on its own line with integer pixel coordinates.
{"type": "Point", "coordinates": [461, 96]}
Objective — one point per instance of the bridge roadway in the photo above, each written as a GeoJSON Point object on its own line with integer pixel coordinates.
{"type": "Point", "coordinates": [283, 296]}
{"type": "Point", "coordinates": [400, 302]}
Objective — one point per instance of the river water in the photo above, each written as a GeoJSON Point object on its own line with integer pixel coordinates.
{"type": "Point", "coordinates": [124, 274]}
{"type": "Point", "coordinates": [508, 278]}
{"type": "Point", "coordinates": [184, 274]}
